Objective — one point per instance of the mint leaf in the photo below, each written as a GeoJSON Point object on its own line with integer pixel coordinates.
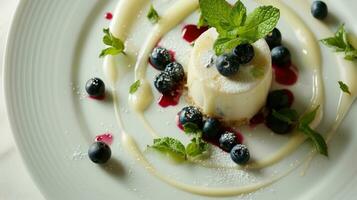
{"type": "Point", "coordinates": [259, 23]}
{"type": "Point", "coordinates": [196, 147]}
{"type": "Point", "coordinates": [238, 14]}
{"type": "Point", "coordinates": [170, 146]}
{"type": "Point", "coordinates": [317, 140]}
{"type": "Point", "coordinates": [152, 15]}
{"type": "Point", "coordinates": [307, 118]}
{"type": "Point", "coordinates": [234, 26]}
{"type": "Point", "coordinates": [191, 128]}
{"type": "Point", "coordinates": [134, 87]}
{"type": "Point", "coordinates": [202, 22]}
{"type": "Point", "coordinates": [215, 11]}
{"type": "Point", "coordinates": [116, 45]}
{"type": "Point", "coordinates": [222, 45]}
{"type": "Point", "coordinates": [344, 87]}
{"type": "Point", "coordinates": [339, 43]}
{"type": "Point", "coordinates": [287, 115]}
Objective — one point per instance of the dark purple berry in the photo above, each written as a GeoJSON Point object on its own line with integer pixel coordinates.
{"type": "Point", "coordinates": [95, 87]}
{"type": "Point", "coordinates": [240, 154]}
{"type": "Point", "coordinates": [227, 64]}
{"type": "Point", "coordinates": [191, 114]}
{"type": "Point", "coordinates": [164, 83]}
{"type": "Point", "coordinates": [175, 71]}
{"type": "Point", "coordinates": [99, 152]}
{"type": "Point", "coordinates": [274, 38]}
{"type": "Point", "coordinates": [227, 141]}
{"type": "Point", "coordinates": [160, 57]}
{"type": "Point", "coordinates": [244, 53]}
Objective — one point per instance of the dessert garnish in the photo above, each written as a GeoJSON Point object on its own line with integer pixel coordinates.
{"type": "Point", "coordinates": [339, 43]}
{"type": "Point", "coordinates": [304, 127]}
{"type": "Point", "coordinates": [99, 152]}
{"type": "Point", "coordinates": [344, 87]}
{"type": "Point", "coordinates": [116, 46]}
{"type": "Point", "coordinates": [95, 88]}
{"type": "Point", "coordinates": [152, 15]}
{"type": "Point", "coordinates": [134, 87]}
{"type": "Point", "coordinates": [175, 149]}
{"type": "Point", "coordinates": [319, 10]}
{"type": "Point", "coordinates": [234, 25]}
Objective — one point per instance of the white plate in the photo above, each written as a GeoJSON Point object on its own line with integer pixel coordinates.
{"type": "Point", "coordinates": [53, 49]}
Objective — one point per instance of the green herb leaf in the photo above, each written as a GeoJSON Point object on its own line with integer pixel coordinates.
{"type": "Point", "coordinates": [191, 128]}
{"type": "Point", "coordinates": [170, 146]}
{"type": "Point", "coordinates": [287, 115]}
{"type": "Point", "coordinates": [196, 147]}
{"type": "Point", "coordinates": [134, 87]}
{"type": "Point", "coordinates": [339, 43]}
{"type": "Point", "coordinates": [201, 22]}
{"type": "Point", "coordinates": [215, 11]}
{"type": "Point", "coordinates": [222, 45]}
{"type": "Point", "coordinates": [233, 24]}
{"type": "Point", "coordinates": [259, 23]}
{"type": "Point", "coordinates": [344, 87]}
{"type": "Point", "coordinates": [317, 140]}
{"type": "Point", "coordinates": [152, 15]}
{"type": "Point", "coordinates": [116, 45]}
{"type": "Point", "coordinates": [307, 118]}
{"type": "Point", "coordinates": [238, 14]}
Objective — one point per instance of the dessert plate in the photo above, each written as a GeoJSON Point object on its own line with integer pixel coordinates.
{"type": "Point", "coordinates": [52, 50]}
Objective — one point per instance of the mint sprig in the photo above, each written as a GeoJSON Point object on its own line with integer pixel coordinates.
{"type": "Point", "coordinates": [317, 140]}
{"type": "Point", "coordinates": [152, 15]}
{"type": "Point", "coordinates": [171, 146]}
{"type": "Point", "coordinates": [344, 87]}
{"type": "Point", "coordinates": [339, 43]}
{"type": "Point", "coordinates": [177, 149]}
{"type": "Point", "coordinates": [287, 115]}
{"type": "Point", "coordinates": [233, 24]}
{"type": "Point", "coordinates": [116, 46]}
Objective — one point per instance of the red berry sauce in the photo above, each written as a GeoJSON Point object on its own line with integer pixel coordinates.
{"type": "Point", "coordinates": [106, 138]}
{"type": "Point", "coordinates": [108, 16]}
{"type": "Point", "coordinates": [257, 119]}
{"type": "Point", "coordinates": [172, 99]}
{"type": "Point", "coordinates": [191, 32]}
{"type": "Point", "coordinates": [101, 98]}
{"type": "Point", "coordinates": [285, 75]}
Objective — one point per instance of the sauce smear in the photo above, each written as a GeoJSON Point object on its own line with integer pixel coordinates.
{"type": "Point", "coordinates": [191, 32]}
{"type": "Point", "coordinates": [106, 138]}
{"type": "Point", "coordinates": [285, 75]}
{"type": "Point", "coordinates": [108, 16]}
{"type": "Point", "coordinates": [170, 99]}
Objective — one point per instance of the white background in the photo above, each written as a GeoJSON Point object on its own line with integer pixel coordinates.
{"type": "Point", "coordinates": [15, 181]}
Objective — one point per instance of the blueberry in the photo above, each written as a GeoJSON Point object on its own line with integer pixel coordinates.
{"type": "Point", "coordinates": [244, 53]}
{"type": "Point", "coordinates": [211, 128]}
{"type": "Point", "coordinates": [273, 38]}
{"type": "Point", "coordinates": [279, 126]}
{"type": "Point", "coordinates": [280, 55]}
{"type": "Point", "coordinates": [191, 114]}
{"type": "Point", "coordinates": [227, 64]}
{"type": "Point", "coordinates": [227, 141]}
{"type": "Point", "coordinates": [279, 99]}
{"type": "Point", "coordinates": [319, 9]}
{"type": "Point", "coordinates": [240, 154]}
{"type": "Point", "coordinates": [164, 83]}
{"type": "Point", "coordinates": [99, 152]}
{"type": "Point", "coordinates": [95, 87]}
{"type": "Point", "coordinates": [175, 71]}
{"type": "Point", "coordinates": [160, 57]}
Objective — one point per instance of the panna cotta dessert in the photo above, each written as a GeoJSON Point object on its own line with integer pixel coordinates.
{"type": "Point", "coordinates": [236, 98]}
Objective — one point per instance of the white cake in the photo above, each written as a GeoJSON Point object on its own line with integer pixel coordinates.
{"type": "Point", "coordinates": [236, 98]}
